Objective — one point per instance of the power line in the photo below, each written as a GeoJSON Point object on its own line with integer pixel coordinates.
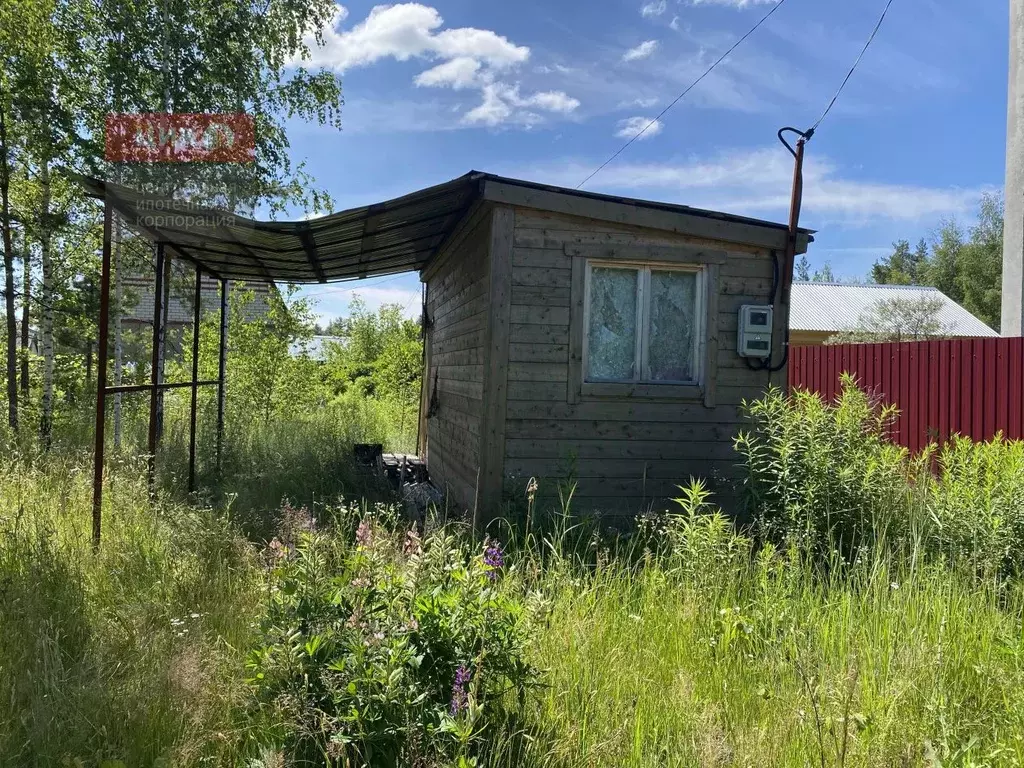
{"type": "Point", "coordinates": [689, 88]}
{"type": "Point", "coordinates": [854, 67]}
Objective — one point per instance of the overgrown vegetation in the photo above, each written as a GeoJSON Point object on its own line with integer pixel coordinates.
{"type": "Point", "coordinates": [826, 476]}
{"type": "Point", "coordinates": [870, 617]}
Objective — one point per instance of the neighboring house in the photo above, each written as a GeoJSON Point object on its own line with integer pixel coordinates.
{"type": "Point", "coordinates": [138, 290]}
{"type": "Point", "coordinates": [317, 347]}
{"type": "Point", "coordinates": [819, 311]}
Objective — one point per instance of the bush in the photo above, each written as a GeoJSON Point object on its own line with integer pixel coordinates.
{"type": "Point", "coordinates": [976, 505]}
{"type": "Point", "coordinates": [390, 650]}
{"type": "Point", "coordinates": [827, 477]}
{"type": "Point", "coordinates": [827, 474]}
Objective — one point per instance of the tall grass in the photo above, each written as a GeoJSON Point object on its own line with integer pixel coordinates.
{"type": "Point", "coordinates": [685, 643]}
{"type": "Point", "coordinates": [131, 652]}
{"type": "Point", "coordinates": [764, 661]}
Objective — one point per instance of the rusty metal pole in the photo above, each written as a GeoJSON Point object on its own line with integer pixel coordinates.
{"type": "Point", "coordinates": [792, 235]}
{"type": "Point", "coordinates": [196, 316]}
{"type": "Point", "coordinates": [154, 373]}
{"type": "Point", "coordinates": [796, 203]}
{"type": "Point", "coordinates": [101, 378]}
{"type": "Point", "coordinates": [222, 367]}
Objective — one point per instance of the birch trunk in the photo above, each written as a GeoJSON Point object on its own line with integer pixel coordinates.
{"type": "Point", "coordinates": [5, 225]}
{"type": "Point", "coordinates": [46, 301]}
{"type": "Point", "coordinates": [26, 298]}
{"type": "Point", "coordinates": [118, 346]}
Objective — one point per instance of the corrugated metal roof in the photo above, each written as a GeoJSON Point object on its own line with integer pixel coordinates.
{"type": "Point", "coordinates": [316, 347]}
{"type": "Point", "coordinates": [840, 307]}
{"type": "Point", "coordinates": [397, 235]}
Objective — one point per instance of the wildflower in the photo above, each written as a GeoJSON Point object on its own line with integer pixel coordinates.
{"type": "Point", "coordinates": [412, 543]}
{"type": "Point", "coordinates": [277, 549]}
{"type": "Point", "coordinates": [412, 625]}
{"type": "Point", "coordinates": [364, 535]}
{"type": "Point", "coordinates": [494, 558]}
{"type": "Point", "coordinates": [460, 697]}
{"type": "Point", "coordinates": [531, 489]}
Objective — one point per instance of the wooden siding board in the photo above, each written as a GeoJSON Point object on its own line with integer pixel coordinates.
{"type": "Point", "coordinates": [457, 304]}
{"type": "Point", "coordinates": [497, 370]}
{"type": "Point", "coordinates": [550, 420]}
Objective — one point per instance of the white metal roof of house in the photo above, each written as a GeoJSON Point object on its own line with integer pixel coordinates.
{"type": "Point", "coordinates": [840, 307]}
{"type": "Point", "coordinates": [316, 347]}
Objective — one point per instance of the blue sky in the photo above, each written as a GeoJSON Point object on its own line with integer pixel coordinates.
{"type": "Point", "coordinates": [546, 90]}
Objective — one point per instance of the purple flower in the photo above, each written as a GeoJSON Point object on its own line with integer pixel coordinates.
{"type": "Point", "coordinates": [494, 558]}
{"type": "Point", "coordinates": [363, 534]}
{"type": "Point", "coordinates": [460, 698]}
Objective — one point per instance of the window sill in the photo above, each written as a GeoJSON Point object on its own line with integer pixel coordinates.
{"type": "Point", "coordinates": [602, 390]}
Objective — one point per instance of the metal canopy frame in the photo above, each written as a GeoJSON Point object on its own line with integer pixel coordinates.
{"type": "Point", "coordinates": [156, 385]}
{"type": "Point", "coordinates": [399, 235]}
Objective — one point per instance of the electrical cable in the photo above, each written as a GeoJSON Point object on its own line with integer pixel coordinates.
{"type": "Point", "coordinates": [856, 63]}
{"type": "Point", "coordinates": [689, 88]}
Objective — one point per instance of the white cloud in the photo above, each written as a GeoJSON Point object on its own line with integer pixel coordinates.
{"type": "Point", "coordinates": [469, 58]}
{"type": "Point", "coordinates": [674, 24]}
{"type": "Point", "coordinates": [504, 103]}
{"type": "Point", "coordinates": [631, 126]}
{"type": "Point", "coordinates": [734, 3]}
{"type": "Point", "coordinates": [405, 31]}
{"type": "Point", "coordinates": [642, 51]}
{"type": "Point", "coordinates": [458, 73]}
{"type": "Point", "coordinates": [653, 9]}
{"type": "Point", "coordinates": [757, 182]}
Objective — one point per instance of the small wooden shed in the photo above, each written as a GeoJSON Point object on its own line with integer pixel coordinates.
{"type": "Point", "coordinates": [569, 334]}
{"type": "Point", "coordinates": [587, 337]}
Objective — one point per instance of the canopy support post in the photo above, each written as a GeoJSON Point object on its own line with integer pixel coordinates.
{"type": "Point", "coordinates": [222, 366]}
{"type": "Point", "coordinates": [154, 373]}
{"type": "Point", "coordinates": [101, 378]}
{"type": "Point", "coordinates": [196, 316]}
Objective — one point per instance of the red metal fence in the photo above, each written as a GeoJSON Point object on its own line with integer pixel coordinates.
{"type": "Point", "coordinates": [972, 387]}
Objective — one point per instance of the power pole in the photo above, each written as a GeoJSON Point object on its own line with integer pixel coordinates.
{"type": "Point", "coordinates": [1013, 232]}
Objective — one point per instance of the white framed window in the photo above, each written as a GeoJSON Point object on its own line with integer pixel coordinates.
{"type": "Point", "coordinates": [643, 323]}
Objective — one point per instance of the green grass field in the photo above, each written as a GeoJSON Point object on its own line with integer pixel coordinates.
{"type": "Point", "coordinates": [685, 645]}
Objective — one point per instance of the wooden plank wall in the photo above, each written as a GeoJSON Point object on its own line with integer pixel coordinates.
{"type": "Point", "coordinates": [457, 304]}
{"type": "Point", "coordinates": [626, 453]}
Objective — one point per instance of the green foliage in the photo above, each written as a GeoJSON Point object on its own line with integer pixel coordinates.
{"type": "Point", "coordinates": [125, 653]}
{"type": "Point", "coordinates": [966, 266]}
{"type": "Point", "coordinates": [380, 362]}
{"type": "Point", "coordinates": [897, 319]}
{"type": "Point", "coordinates": [823, 275]}
{"type": "Point", "coordinates": [765, 661]}
{"type": "Point", "coordinates": [827, 477]}
{"type": "Point", "coordinates": [389, 650]}
{"type": "Point", "coordinates": [825, 474]}
{"type": "Point", "coordinates": [976, 505]}
{"type": "Point", "coordinates": [903, 266]}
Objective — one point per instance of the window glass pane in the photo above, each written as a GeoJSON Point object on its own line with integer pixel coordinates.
{"type": "Point", "coordinates": [611, 335]}
{"type": "Point", "coordinates": [670, 352]}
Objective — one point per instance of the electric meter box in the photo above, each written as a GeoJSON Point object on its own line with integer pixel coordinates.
{"type": "Point", "coordinates": [754, 331]}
